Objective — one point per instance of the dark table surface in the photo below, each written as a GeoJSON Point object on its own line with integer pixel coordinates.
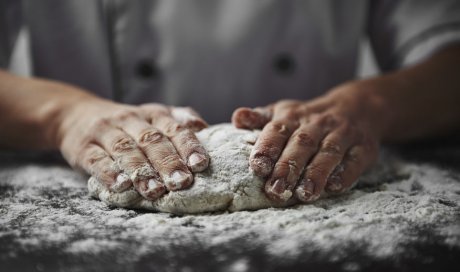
{"type": "Point", "coordinates": [26, 247]}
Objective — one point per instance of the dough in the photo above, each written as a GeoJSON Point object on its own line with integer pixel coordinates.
{"type": "Point", "coordinates": [227, 185]}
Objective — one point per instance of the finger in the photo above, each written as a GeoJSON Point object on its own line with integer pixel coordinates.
{"type": "Point", "coordinates": [330, 154]}
{"type": "Point", "coordinates": [125, 152]}
{"type": "Point", "coordinates": [180, 130]}
{"type": "Point", "coordinates": [249, 118]}
{"type": "Point", "coordinates": [150, 188]}
{"type": "Point", "coordinates": [301, 147]}
{"type": "Point", "coordinates": [334, 182]}
{"type": "Point", "coordinates": [188, 118]}
{"type": "Point", "coordinates": [96, 162]}
{"type": "Point", "coordinates": [160, 152]}
{"type": "Point", "coordinates": [269, 145]}
{"type": "Point", "coordinates": [186, 143]}
{"type": "Point", "coordinates": [356, 161]}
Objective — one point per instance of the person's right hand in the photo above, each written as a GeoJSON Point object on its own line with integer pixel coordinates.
{"type": "Point", "coordinates": [151, 146]}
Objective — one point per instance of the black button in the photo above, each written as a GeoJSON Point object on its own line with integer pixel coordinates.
{"type": "Point", "coordinates": [284, 63]}
{"type": "Point", "coordinates": [146, 69]}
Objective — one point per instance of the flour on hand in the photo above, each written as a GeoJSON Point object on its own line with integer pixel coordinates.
{"type": "Point", "coordinates": [227, 185]}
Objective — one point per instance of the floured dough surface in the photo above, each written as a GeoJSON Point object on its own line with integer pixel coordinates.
{"type": "Point", "coordinates": [227, 185]}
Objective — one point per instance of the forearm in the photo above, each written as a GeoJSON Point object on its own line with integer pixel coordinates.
{"type": "Point", "coordinates": [418, 102]}
{"type": "Point", "coordinates": [31, 109]}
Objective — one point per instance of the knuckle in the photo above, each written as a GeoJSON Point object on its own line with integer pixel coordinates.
{"type": "Point", "coordinates": [86, 151]}
{"type": "Point", "coordinates": [173, 128]}
{"type": "Point", "coordinates": [305, 139]}
{"type": "Point", "coordinates": [104, 174]}
{"type": "Point", "coordinates": [316, 171]}
{"type": "Point", "coordinates": [290, 165]}
{"type": "Point", "coordinates": [279, 127]}
{"type": "Point", "coordinates": [188, 143]}
{"type": "Point", "coordinates": [94, 157]}
{"type": "Point", "coordinates": [169, 160]}
{"type": "Point", "coordinates": [123, 145]}
{"type": "Point", "coordinates": [150, 137]}
{"type": "Point", "coordinates": [267, 149]}
{"type": "Point", "coordinates": [106, 171]}
{"type": "Point", "coordinates": [331, 147]}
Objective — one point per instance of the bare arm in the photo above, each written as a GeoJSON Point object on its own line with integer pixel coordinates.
{"type": "Point", "coordinates": [146, 146]}
{"type": "Point", "coordinates": [32, 109]}
{"type": "Point", "coordinates": [421, 101]}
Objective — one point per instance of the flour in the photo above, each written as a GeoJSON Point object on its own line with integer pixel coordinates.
{"type": "Point", "coordinates": [228, 183]}
{"type": "Point", "coordinates": [47, 209]}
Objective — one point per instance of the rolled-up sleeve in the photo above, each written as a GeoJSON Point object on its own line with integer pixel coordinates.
{"type": "Point", "coordinates": [404, 32]}
{"type": "Point", "coordinates": [10, 25]}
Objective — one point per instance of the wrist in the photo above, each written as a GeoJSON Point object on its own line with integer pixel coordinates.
{"type": "Point", "coordinates": [60, 110]}
{"type": "Point", "coordinates": [31, 111]}
{"type": "Point", "coordinates": [75, 115]}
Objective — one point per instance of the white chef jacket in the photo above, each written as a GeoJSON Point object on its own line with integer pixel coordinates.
{"type": "Point", "coordinates": [216, 55]}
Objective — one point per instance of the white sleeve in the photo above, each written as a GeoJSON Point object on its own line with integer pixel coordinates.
{"type": "Point", "coordinates": [10, 24]}
{"type": "Point", "coordinates": [405, 32]}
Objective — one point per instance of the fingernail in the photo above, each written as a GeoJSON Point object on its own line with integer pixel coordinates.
{"type": "Point", "coordinates": [305, 191]}
{"type": "Point", "coordinates": [197, 162]}
{"type": "Point", "coordinates": [262, 166]}
{"type": "Point", "coordinates": [154, 184]}
{"type": "Point", "coordinates": [122, 183]}
{"type": "Point", "coordinates": [153, 189]}
{"type": "Point", "coordinates": [334, 186]}
{"type": "Point", "coordinates": [279, 190]}
{"type": "Point", "coordinates": [178, 180]}
{"type": "Point", "coordinates": [334, 181]}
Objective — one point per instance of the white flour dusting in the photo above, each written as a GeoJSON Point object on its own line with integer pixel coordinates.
{"type": "Point", "coordinates": [399, 203]}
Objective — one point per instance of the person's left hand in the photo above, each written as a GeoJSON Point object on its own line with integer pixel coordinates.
{"type": "Point", "coordinates": [306, 148]}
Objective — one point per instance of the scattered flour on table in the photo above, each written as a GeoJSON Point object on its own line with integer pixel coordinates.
{"type": "Point", "coordinates": [48, 206]}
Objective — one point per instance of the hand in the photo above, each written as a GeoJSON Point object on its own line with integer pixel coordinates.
{"type": "Point", "coordinates": [152, 146]}
{"type": "Point", "coordinates": [306, 148]}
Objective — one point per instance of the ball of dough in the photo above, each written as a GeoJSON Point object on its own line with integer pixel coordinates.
{"type": "Point", "coordinates": [227, 185]}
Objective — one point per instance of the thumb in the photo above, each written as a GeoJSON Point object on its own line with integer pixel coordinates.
{"type": "Point", "coordinates": [255, 118]}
